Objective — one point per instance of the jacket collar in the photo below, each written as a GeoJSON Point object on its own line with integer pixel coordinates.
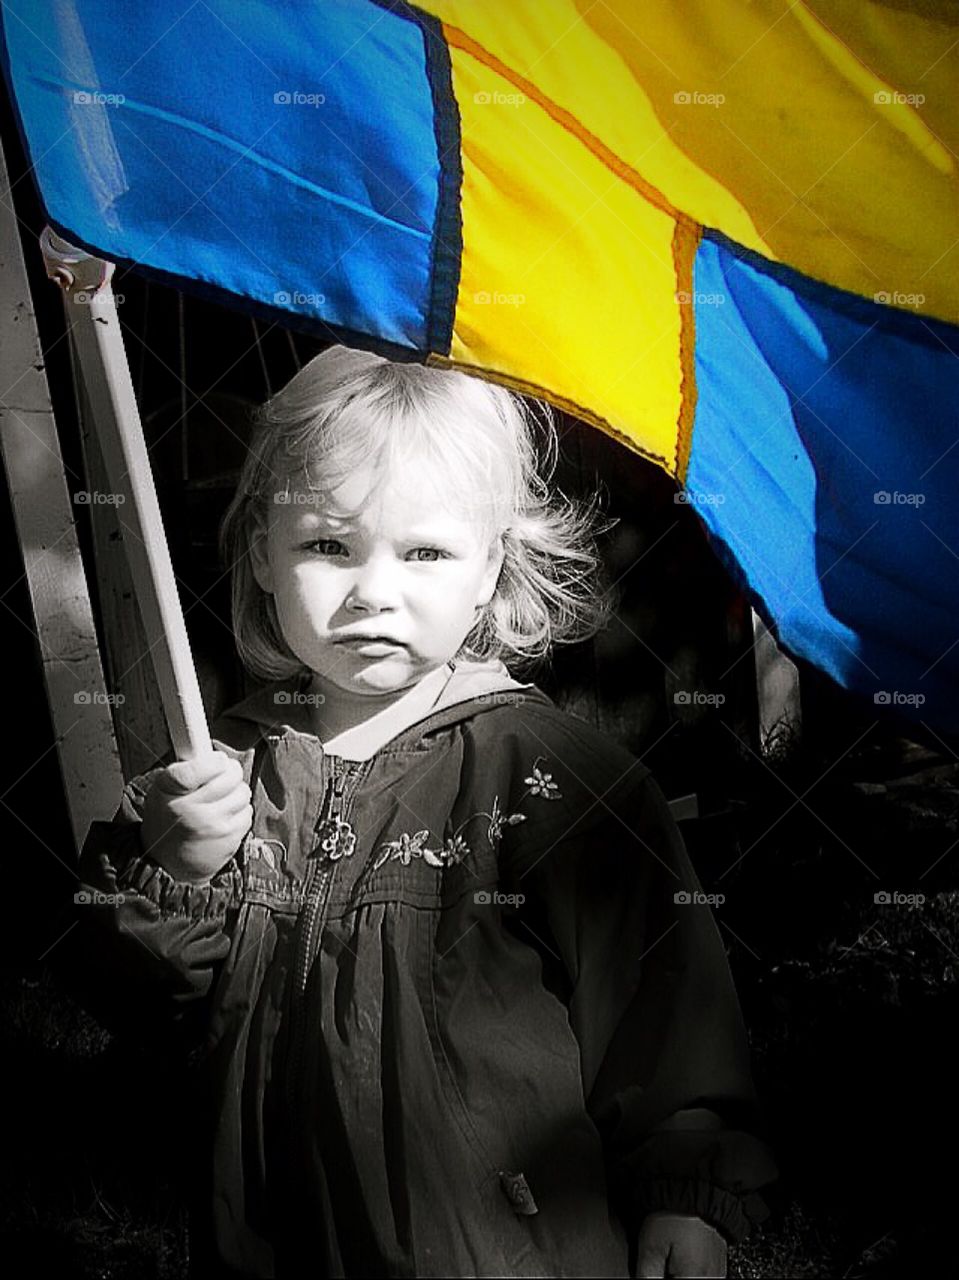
{"type": "Point", "coordinates": [276, 707]}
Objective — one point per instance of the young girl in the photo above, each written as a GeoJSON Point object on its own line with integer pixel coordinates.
{"type": "Point", "coordinates": [464, 1014]}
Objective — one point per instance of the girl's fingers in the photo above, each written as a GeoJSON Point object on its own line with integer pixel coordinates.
{"type": "Point", "coordinates": [218, 826]}
{"type": "Point", "coordinates": [225, 815]}
{"type": "Point", "coordinates": [217, 770]}
{"type": "Point", "coordinates": [236, 801]}
{"type": "Point", "coordinates": [222, 792]}
{"type": "Point", "coordinates": [220, 785]}
{"type": "Point", "coordinates": [228, 812]}
{"type": "Point", "coordinates": [651, 1267]}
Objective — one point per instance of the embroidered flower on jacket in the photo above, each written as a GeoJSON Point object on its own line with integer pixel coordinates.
{"type": "Point", "coordinates": [541, 784]}
{"type": "Point", "coordinates": [404, 849]}
{"type": "Point", "coordinates": [407, 847]}
{"type": "Point", "coordinates": [498, 819]}
{"type": "Point", "coordinates": [410, 847]}
{"type": "Point", "coordinates": [455, 849]}
{"type": "Point", "coordinates": [259, 849]}
{"type": "Point", "coordinates": [337, 838]}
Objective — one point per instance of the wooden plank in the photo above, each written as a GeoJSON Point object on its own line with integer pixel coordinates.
{"type": "Point", "coordinates": [73, 677]}
{"type": "Point", "coordinates": [684, 808]}
{"type": "Point", "coordinates": [777, 689]}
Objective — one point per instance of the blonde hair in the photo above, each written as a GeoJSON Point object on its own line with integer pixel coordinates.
{"type": "Point", "coordinates": [347, 408]}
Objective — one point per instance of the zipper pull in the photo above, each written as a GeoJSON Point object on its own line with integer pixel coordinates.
{"type": "Point", "coordinates": [337, 839]}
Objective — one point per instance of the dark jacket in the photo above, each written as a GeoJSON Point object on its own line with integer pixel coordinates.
{"type": "Point", "coordinates": [456, 1020]}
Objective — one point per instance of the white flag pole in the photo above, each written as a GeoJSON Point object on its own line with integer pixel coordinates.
{"type": "Point", "coordinates": [95, 329]}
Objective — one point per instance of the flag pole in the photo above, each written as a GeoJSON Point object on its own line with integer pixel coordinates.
{"type": "Point", "coordinates": [95, 330]}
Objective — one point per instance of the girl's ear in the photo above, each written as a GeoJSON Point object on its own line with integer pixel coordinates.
{"type": "Point", "coordinates": [259, 555]}
{"type": "Point", "coordinates": [491, 575]}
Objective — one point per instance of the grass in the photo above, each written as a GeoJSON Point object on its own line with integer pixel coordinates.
{"type": "Point", "coordinates": [89, 1179]}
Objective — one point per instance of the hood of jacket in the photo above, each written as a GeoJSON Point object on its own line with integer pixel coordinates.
{"type": "Point", "coordinates": [469, 689]}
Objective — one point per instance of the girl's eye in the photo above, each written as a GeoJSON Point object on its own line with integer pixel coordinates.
{"type": "Point", "coordinates": [322, 546]}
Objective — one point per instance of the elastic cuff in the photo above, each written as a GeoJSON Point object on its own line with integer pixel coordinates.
{"type": "Point", "coordinates": [142, 875]}
{"type": "Point", "coordinates": [731, 1214]}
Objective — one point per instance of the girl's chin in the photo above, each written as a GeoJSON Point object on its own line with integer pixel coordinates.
{"type": "Point", "coordinates": [374, 675]}
{"type": "Point", "coordinates": [382, 675]}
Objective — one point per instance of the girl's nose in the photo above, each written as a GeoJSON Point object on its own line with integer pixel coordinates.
{"type": "Point", "coordinates": [374, 587]}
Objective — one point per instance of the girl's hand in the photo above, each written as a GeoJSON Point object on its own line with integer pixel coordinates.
{"type": "Point", "coordinates": [195, 815]}
{"type": "Point", "coordinates": [679, 1244]}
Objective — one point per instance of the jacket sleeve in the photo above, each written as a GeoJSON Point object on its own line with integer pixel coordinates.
{"type": "Point", "coordinates": [146, 946]}
{"type": "Point", "coordinates": [651, 1000]}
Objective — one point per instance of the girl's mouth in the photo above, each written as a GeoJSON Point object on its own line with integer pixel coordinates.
{"type": "Point", "coordinates": [372, 646]}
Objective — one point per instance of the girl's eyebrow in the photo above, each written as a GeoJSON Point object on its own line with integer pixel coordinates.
{"type": "Point", "coordinates": [454, 542]}
{"type": "Point", "coordinates": [315, 518]}
{"type": "Point", "coordinates": [342, 524]}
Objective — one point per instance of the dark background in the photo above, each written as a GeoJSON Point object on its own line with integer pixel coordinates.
{"type": "Point", "coordinates": [851, 1006]}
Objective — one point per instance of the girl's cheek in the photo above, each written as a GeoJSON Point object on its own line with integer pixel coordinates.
{"type": "Point", "coordinates": [303, 594]}
{"type": "Point", "coordinates": [308, 579]}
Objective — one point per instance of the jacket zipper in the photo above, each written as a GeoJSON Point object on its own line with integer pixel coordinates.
{"type": "Point", "coordinates": [335, 840]}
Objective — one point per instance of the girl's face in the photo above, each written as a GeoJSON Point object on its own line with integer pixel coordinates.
{"type": "Point", "coordinates": [404, 570]}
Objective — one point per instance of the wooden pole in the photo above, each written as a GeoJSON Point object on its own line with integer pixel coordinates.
{"type": "Point", "coordinates": [140, 725]}
{"type": "Point", "coordinates": [95, 330]}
